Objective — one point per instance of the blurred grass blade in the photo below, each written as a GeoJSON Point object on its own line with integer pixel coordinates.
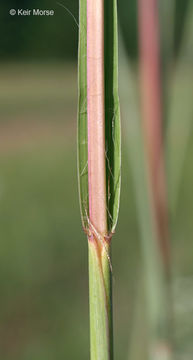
{"type": "Point", "coordinates": [138, 350]}
{"type": "Point", "coordinates": [181, 13]}
{"type": "Point", "coordinates": [166, 11]}
{"type": "Point", "coordinates": [152, 115]}
{"type": "Point", "coordinates": [99, 159]}
{"type": "Point", "coordinates": [155, 287]}
{"type": "Point", "coordinates": [166, 19]}
{"type": "Point", "coordinates": [145, 151]}
{"type": "Point", "coordinates": [181, 112]}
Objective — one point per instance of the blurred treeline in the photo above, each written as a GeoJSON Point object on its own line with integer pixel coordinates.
{"type": "Point", "coordinates": [35, 37]}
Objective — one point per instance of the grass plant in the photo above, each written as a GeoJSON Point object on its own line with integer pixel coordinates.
{"type": "Point", "coordinates": [99, 160]}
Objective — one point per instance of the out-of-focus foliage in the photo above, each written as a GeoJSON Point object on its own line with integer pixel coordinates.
{"type": "Point", "coordinates": [180, 17]}
{"type": "Point", "coordinates": [35, 37]}
{"type": "Point", "coordinates": [127, 10]}
{"type": "Point", "coordinates": [38, 37]}
{"type": "Point", "coordinates": [44, 315]}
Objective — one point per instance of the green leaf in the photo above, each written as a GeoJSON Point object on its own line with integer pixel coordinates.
{"type": "Point", "coordinates": [82, 115]}
{"type": "Point", "coordinates": [112, 115]}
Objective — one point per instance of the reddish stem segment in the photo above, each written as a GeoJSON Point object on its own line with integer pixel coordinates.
{"type": "Point", "coordinates": [96, 115]}
{"type": "Point", "coordinates": [151, 98]}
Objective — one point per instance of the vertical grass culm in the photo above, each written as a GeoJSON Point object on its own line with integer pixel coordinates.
{"type": "Point", "coordinates": [99, 160]}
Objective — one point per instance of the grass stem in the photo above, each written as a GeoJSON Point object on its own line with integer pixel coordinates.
{"type": "Point", "coordinates": [99, 267]}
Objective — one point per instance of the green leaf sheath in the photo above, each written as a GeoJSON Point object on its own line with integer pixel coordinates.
{"type": "Point", "coordinates": [101, 341]}
{"type": "Point", "coordinates": [112, 114]}
{"type": "Point", "coordinates": [82, 115]}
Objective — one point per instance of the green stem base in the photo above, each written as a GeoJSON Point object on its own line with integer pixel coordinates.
{"type": "Point", "coordinates": [100, 294]}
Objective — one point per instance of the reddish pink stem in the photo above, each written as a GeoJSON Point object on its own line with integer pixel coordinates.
{"type": "Point", "coordinates": [96, 115]}
{"type": "Point", "coordinates": [151, 100]}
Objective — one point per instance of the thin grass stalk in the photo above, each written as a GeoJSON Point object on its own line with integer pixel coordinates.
{"type": "Point", "coordinates": [99, 160]}
{"type": "Point", "coordinates": [99, 270]}
{"type": "Point", "coordinates": [96, 115]}
{"type": "Point", "coordinates": [152, 114]}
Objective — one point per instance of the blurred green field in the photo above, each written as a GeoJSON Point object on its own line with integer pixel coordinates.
{"type": "Point", "coordinates": [43, 257]}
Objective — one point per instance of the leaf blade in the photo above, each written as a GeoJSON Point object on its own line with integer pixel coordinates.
{"type": "Point", "coordinates": [112, 115]}
{"type": "Point", "coordinates": [82, 116]}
